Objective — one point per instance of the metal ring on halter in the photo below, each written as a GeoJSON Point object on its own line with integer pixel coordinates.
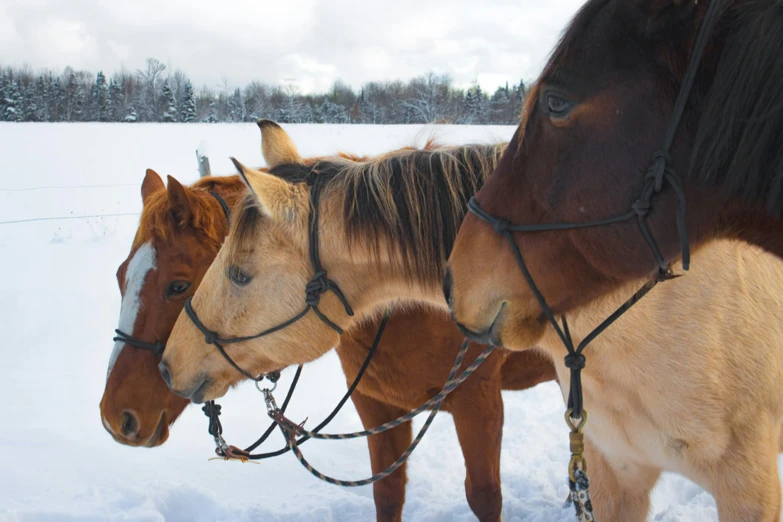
{"type": "Point", "coordinates": [264, 390]}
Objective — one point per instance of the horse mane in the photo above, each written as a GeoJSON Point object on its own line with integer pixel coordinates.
{"type": "Point", "coordinates": [408, 203]}
{"type": "Point", "coordinates": [739, 141]}
{"type": "Point", "coordinates": [157, 219]}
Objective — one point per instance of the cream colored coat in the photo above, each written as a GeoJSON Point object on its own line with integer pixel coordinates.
{"type": "Point", "coordinates": [689, 380]}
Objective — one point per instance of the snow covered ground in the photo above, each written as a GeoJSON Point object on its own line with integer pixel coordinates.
{"type": "Point", "coordinates": [59, 304]}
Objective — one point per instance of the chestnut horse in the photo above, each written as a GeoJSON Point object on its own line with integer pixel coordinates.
{"type": "Point", "coordinates": [591, 126]}
{"type": "Point", "coordinates": [185, 226]}
{"type": "Point", "coordinates": [685, 382]}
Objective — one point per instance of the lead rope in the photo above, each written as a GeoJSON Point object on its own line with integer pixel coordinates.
{"type": "Point", "coordinates": [212, 411]}
{"type": "Point", "coordinates": [290, 429]}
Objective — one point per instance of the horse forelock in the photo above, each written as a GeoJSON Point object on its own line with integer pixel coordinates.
{"type": "Point", "coordinates": [158, 223]}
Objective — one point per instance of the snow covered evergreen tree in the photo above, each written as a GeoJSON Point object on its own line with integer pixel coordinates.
{"type": "Point", "coordinates": [29, 107]}
{"type": "Point", "coordinates": [12, 102]}
{"type": "Point", "coordinates": [5, 80]}
{"type": "Point", "coordinates": [167, 95]}
{"type": "Point", "coordinates": [99, 99]}
{"type": "Point", "coordinates": [73, 97]}
{"type": "Point", "coordinates": [331, 112]}
{"type": "Point", "coordinates": [500, 107]}
{"type": "Point", "coordinates": [236, 106]}
{"type": "Point", "coordinates": [147, 95]}
{"type": "Point", "coordinates": [187, 112]}
{"type": "Point", "coordinates": [116, 101]}
{"type": "Point", "coordinates": [212, 111]}
{"type": "Point", "coordinates": [131, 116]}
{"type": "Point", "coordinates": [41, 97]}
{"type": "Point", "coordinates": [474, 106]}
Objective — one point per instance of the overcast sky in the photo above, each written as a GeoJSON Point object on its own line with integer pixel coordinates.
{"type": "Point", "coordinates": [308, 42]}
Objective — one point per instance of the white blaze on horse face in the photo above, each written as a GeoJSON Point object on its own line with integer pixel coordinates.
{"type": "Point", "coordinates": [140, 265]}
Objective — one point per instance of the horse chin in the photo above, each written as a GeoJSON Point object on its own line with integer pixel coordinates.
{"type": "Point", "coordinates": [483, 330]}
{"type": "Point", "coordinates": [161, 433]}
{"type": "Point", "coordinates": [210, 390]}
{"type": "Point", "coordinates": [516, 331]}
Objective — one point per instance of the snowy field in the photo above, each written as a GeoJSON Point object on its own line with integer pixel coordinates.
{"type": "Point", "coordinates": [59, 305]}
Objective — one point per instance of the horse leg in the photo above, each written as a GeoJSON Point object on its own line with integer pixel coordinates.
{"type": "Point", "coordinates": [618, 492]}
{"type": "Point", "coordinates": [478, 417]}
{"type": "Point", "coordinates": [746, 484]}
{"type": "Point", "coordinates": [385, 448]}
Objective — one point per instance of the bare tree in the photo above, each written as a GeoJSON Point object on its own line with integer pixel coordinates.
{"type": "Point", "coordinates": [151, 78]}
{"type": "Point", "coordinates": [429, 96]}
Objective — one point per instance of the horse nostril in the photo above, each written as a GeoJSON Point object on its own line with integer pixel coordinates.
{"type": "Point", "coordinates": [130, 424]}
{"type": "Point", "coordinates": [447, 283]}
{"type": "Point", "coordinates": [163, 367]}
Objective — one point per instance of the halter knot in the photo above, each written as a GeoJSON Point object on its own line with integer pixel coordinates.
{"type": "Point", "coordinates": [575, 361]}
{"type": "Point", "coordinates": [315, 287]}
{"type": "Point", "coordinates": [501, 226]}
{"type": "Point", "coordinates": [641, 207]}
{"type": "Point", "coordinates": [211, 338]}
{"type": "Point", "coordinates": [211, 409]}
{"type": "Point", "coordinates": [158, 349]}
{"type": "Point", "coordinates": [661, 159]}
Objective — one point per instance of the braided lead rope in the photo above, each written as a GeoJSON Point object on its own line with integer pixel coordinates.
{"type": "Point", "coordinates": [290, 436]}
{"type": "Point", "coordinates": [579, 496]}
{"type": "Point", "coordinates": [451, 384]}
{"type": "Point", "coordinates": [291, 430]}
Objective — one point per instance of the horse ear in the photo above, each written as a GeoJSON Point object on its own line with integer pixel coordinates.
{"type": "Point", "coordinates": [151, 184]}
{"type": "Point", "coordinates": [276, 145]}
{"type": "Point", "coordinates": [180, 201]}
{"type": "Point", "coordinates": [275, 197]}
{"type": "Point", "coordinates": [658, 15]}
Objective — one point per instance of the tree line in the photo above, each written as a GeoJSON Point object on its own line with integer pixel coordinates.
{"type": "Point", "coordinates": [155, 94]}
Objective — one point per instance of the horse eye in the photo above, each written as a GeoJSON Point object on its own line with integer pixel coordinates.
{"type": "Point", "coordinates": [177, 287]}
{"type": "Point", "coordinates": [238, 277]}
{"type": "Point", "coordinates": [557, 105]}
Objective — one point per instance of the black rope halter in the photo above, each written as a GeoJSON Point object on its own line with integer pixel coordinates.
{"type": "Point", "coordinates": [212, 411]}
{"type": "Point", "coordinates": [158, 348]}
{"type": "Point", "coordinates": [661, 171]}
{"type": "Point", "coordinates": [318, 285]}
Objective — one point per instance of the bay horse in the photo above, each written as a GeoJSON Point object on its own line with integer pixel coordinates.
{"type": "Point", "coordinates": [185, 227]}
{"type": "Point", "coordinates": [684, 382]}
{"type": "Point", "coordinates": [592, 124]}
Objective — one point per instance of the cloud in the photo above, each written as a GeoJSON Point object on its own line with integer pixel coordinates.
{"type": "Point", "coordinates": [309, 42]}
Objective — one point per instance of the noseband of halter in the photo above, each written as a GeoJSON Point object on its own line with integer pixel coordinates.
{"type": "Point", "coordinates": [318, 285]}
{"type": "Point", "coordinates": [659, 172]}
{"type": "Point", "coordinates": [157, 348]}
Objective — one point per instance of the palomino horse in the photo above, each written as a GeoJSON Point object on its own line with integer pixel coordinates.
{"type": "Point", "coordinates": [684, 382]}
{"type": "Point", "coordinates": [185, 227]}
{"type": "Point", "coordinates": [591, 127]}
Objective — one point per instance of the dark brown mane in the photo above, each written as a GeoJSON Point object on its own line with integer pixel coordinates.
{"type": "Point", "coordinates": [739, 143]}
{"type": "Point", "coordinates": [409, 201]}
{"type": "Point", "coordinates": [157, 220]}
